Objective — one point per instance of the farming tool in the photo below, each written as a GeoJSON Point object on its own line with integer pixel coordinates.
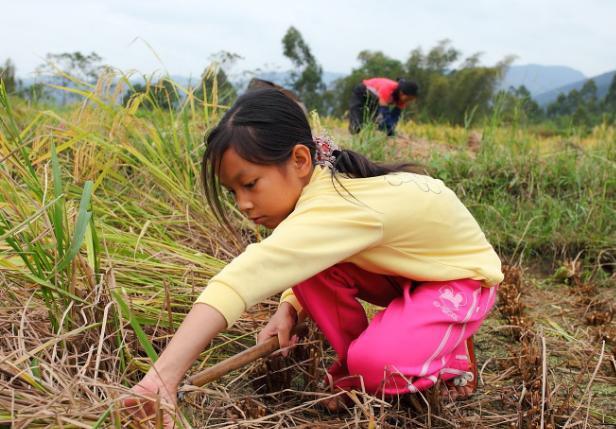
{"type": "Point", "coordinates": [241, 359]}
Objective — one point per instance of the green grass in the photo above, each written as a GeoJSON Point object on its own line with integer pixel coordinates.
{"type": "Point", "coordinates": [537, 199]}
{"type": "Point", "coordinates": [135, 173]}
{"type": "Point", "coordinates": [102, 218]}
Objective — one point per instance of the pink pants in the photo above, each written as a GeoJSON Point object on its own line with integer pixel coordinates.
{"type": "Point", "coordinates": [418, 338]}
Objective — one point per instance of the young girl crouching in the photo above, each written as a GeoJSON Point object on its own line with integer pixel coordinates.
{"type": "Point", "coordinates": [343, 228]}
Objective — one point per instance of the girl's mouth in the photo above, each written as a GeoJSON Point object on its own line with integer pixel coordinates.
{"type": "Point", "coordinates": [258, 220]}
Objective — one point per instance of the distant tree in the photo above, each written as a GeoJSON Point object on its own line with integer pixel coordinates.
{"type": "Point", "coordinates": [35, 92]}
{"type": "Point", "coordinates": [518, 106]}
{"type": "Point", "coordinates": [59, 67]}
{"type": "Point", "coordinates": [83, 67]}
{"type": "Point", "coordinates": [133, 90]}
{"type": "Point", "coordinates": [446, 92]}
{"type": "Point", "coordinates": [434, 97]}
{"type": "Point", "coordinates": [441, 58]}
{"type": "Point", "coordinates": [431, 72]}
{"type": "Point", "coordinates": [471, 89]}
{"type": "Point", "coordinates": [529, 105]}
{"type": "Point", "coordinates": [582, 116]}
{"type": "Point", "coordinates": [588, 94]}
{"type": "Point", "coordinates": [161, 95]}
{"type": "Point", "coordinates": [7, 75]}
{"type": "Point", "coordinates": [463, 92]}
{"type": "Point", "coordinates": [452, 91]}
{"type": "Point", "coordinates": [582, 107]}
{"type": "Point", "coordinates": [307, 78]}
{"type": "Point", "coordinates": [609, 102]}
{"type": "Point", "coordinates": [215, 83]}
{"type": "Point", "coordinates": [558, 107]}
{"type": "Point", "coordinates": [165, 94]}
{"type": "Point", "coordinates": [376, 63]}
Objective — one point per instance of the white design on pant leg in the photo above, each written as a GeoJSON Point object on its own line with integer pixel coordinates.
{"type": "Point", "coordinates": [470, 310]}
{"type": "Point", "coordinates": [439, 349]}
{"type": "Point", "coordinates": [457, 299]}
{"type": "Point", "coordinates": [449, 302]}
{"type": "Point", "coordinates": [461, 379]}
{"type": "Point", "coordinates": [461, 336]}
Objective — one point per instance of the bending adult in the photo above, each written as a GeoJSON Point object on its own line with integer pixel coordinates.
{"type": "Point", "coordinates": [380, 100]}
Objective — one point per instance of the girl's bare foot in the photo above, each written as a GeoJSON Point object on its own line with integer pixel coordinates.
{"type": "Point", "coordinates": [337, 404]}
{"type": "Point", "coordinates": [459, 387]}
{"type": "Point", "coordinates": [334, 404]}
{"type": "Point", "coordinates": [458, 392]}
{"type": "Point", "coordinates": [465, 384]}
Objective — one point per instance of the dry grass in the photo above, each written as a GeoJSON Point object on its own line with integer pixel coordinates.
{"type": "Point", "coordinates": [546, 354]}
{"type": "Point", "coordinates": [546, 358]}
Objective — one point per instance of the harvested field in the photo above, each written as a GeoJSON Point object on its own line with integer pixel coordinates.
{"type": "Point", "coordinates": [106, 241]}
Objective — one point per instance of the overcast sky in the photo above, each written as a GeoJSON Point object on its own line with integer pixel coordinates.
{"type": "Point", "coordinates": [179, 36]}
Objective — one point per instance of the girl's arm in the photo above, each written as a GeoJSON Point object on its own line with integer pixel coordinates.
{"type": "Point", "coordinates": [199, 327]}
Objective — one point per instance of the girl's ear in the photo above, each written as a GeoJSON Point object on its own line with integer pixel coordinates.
{"type": "Point", "coordinates": [301, 159]}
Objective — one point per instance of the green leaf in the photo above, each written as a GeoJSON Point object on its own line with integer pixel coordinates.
{"type": "Point", "coordinates": [103, 417]}
{"type": "Point", "coordinates": [83, 218]}
{"type": "Point", "coordinates": [134, 323]}
{"type": "Point", "coordinates": [58, 210]}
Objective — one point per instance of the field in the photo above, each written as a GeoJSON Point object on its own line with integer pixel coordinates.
{"type": "Point", "coordinates": [106, 241]}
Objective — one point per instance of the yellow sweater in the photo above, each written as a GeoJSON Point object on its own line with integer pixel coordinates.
{"type": "Point", "coordinates": [401, 224]}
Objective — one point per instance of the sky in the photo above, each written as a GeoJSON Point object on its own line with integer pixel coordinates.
{"type": "Point", "coordinates": [179, 37]}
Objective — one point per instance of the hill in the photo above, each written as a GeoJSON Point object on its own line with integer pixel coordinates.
{"type": "Point", "coordinates": [539, 79]}
{"type": "Point", "coordinates": [602, 81]}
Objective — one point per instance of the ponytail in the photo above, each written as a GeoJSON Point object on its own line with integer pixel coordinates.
{"type": "Point", "coordinates": [356, 165]}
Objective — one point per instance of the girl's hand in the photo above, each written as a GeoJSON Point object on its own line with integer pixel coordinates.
{"type": "Point", "coordinates": [281, 324]}
{"type": "Point", "coordinates": [153, 402]}
{"type": "Point", "coordinates": [154, 397]}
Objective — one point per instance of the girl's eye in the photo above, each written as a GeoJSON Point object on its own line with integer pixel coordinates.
{"type": "Point", "coordinates": [250, 185]}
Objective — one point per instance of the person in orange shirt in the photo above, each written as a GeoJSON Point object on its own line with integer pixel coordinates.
{"type": "Point", "coordinates": [380, 100]}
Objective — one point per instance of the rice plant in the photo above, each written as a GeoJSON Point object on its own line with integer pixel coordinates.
{"type": "Point", "coordinates": [106, 241]}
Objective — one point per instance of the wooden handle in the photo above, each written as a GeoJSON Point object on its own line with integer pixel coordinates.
{"type": "Point", "coordinates": [239, 360]}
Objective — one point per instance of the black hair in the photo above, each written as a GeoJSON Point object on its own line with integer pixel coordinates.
{"type": "Point", "coordinates": [407, 87]}
{"type": "Point", "coordinates": [263, 126]}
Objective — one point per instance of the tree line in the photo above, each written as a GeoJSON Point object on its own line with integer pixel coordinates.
{"type": "Point", "coordinates": [453, 89]}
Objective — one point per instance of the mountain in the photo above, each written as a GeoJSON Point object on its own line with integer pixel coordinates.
{"type": "Point", "coordinates": [603, 82]}
{"type": "Point", "coordinates": [539, 79]}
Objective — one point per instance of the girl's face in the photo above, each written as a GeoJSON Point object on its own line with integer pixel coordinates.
{"type": "Point", "coordinates": [266, 194]}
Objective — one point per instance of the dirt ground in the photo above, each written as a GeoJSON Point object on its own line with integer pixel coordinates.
{"type": "Point", "coordinates": [546, 358]}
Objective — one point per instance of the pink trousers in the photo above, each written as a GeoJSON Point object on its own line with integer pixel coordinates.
{"type": "Point", "coordinates": [418, 338]}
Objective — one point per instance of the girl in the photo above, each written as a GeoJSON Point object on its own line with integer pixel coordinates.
{"type": "Point", "coordinates": [381, 100]}
{"type": "Point", "coordinates": [343, 228]}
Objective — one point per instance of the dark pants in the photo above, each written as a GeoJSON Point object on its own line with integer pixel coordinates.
{"type": "Point", "coordinates": [363, 108]}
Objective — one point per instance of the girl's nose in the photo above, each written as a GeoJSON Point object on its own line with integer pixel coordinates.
{"type": "Point", "coordinates": [244, 204]}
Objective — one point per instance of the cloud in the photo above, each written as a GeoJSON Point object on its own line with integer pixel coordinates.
{"type": "Point", "coordinates": [185, 33]}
